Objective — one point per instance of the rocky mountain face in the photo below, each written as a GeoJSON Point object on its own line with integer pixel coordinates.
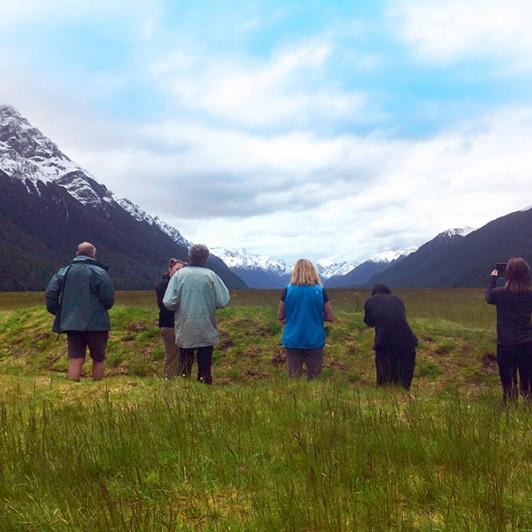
{"type": "Point", "coordinates": [49, 204]}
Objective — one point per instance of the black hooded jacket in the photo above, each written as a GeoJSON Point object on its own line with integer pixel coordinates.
{"type": "Point", "coordinates": [386, 312]}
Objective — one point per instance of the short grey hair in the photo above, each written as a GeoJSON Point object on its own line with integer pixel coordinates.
{"type": "Point", "coordinates": [198, 255]}
{"type": "Point", "coordinates": [86, 249]}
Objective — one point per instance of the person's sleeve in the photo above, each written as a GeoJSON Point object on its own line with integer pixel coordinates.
{"type": "Point", "coordinates": [369, 320]}
{"type": "Point", "coordinates": [325, 297]}
{"type": "Point", "coordinates": [283, 295]}
{"type": "Point", "coordinates": [491, 293]}
{"type": "Point", "coordinates": [160, 291]}
{"type": "Point", "coordinates": [221, 293]}
{"type": "Point", "coordinates": [171, 298]}
{"type": "Point", "coordinates": [51, 296]}
{"type": "Point", "coordinates": [106, 291]}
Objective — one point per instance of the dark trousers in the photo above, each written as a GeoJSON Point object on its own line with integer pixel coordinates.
{"type": "Point", "coordinates": [204, 357]}
{"type": "Point", "coordinates": [311, 358]}
{"type": "Point", "coordinates": [514, 360]}
{"type": "Point", "coordinates": [395, 365]}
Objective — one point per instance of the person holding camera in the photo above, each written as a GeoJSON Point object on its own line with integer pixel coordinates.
{"type": "Point", "coordinates": [514, 328]}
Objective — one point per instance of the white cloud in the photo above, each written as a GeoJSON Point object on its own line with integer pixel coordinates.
{"type": "Point", "coordinates": [444, 31]}
{"type": "Point", "coordinates": [290, 89]}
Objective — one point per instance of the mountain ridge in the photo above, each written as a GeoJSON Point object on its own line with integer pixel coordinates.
{"type": "Point", "coordinates": [455, 261]}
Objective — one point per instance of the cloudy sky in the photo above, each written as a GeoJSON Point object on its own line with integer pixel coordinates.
{"type": "Point", "coordinates": [328, 129]}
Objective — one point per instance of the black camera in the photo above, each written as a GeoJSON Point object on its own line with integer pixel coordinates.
{"type": "Point", "coordinates": [501, 268]}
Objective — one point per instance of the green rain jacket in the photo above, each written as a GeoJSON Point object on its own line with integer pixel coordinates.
{"type": "Point", "coordinates": [194, 293]}
{"type": "Point", "coordinates": [79, 295]}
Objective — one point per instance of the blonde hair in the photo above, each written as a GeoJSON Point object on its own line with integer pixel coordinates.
{"type": "Point", "coordinates": [304, 273]}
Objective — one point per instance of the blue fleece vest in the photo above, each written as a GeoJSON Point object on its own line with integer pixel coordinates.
{"type": "Point", "coordinates": [304, 317]}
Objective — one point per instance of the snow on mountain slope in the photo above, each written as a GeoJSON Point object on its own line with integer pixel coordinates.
{"type": "Point", "coordinates": [328, 269]}
{"type": "Point", "coordinates": [28, 155]}
{"type": "Point", "coordinates": [390, 256]}
{"type": "Point", "coordinates": [141, 215]}
{"type": "Point", "coordinates": [457, 231]}
{"type": "Point", "coordinates": [245, 260]}
{"type": "Point", "coordinates": [250, 261]}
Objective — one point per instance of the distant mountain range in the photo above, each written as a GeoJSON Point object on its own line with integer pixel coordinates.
{"type": "Point", "coordinates": [49, 204]}
{"type": "Point", "coordinates": [361, 274]}
{"type": "Point", "coordinates": [258, 271]}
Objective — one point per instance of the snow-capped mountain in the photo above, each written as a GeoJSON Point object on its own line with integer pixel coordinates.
{"type": "Point", "coordinates": [244, 259]}
{"type": "Point", "coordinates": [457, 231]}
{"type": "Point", "coordinates": [392, 255]}
{"type": "Point", "coordinates": [255, 270]}
{"type": "Point", "coordinates": [328, 269]}
{"type": "Point", "coordinates": [50, 203]}
{"type": "Point", "coordinates": [28, 155]}
{"type": "Point", "coordinates": [362, 273]}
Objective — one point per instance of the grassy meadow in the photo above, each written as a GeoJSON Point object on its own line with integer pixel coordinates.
{"type": "Point", "coordinates": [255, 451]}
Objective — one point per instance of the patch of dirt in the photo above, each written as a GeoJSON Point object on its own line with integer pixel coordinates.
{"type": "Point", "coordinates": [350, 348]}
{"type": "Point", "coordinates": [252, 351]}
{"type": "Point", "coordinates": [263, 330]}
{"type": "Point", "coordinates": [225, 342]}
{"type": "Point", "coordinates": [280, 358]}
{"type": "Point", "coordinates": [489, 362]}
{"type": "Point", "coordinates": [256, 374]}
{"type": "Point", "coordinates": [137, 326]}
{"type": "Point", "coordinates": [337, 364]}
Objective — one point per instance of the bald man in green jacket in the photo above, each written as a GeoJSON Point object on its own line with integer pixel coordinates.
{"type": "Point", "coordinates": [79, 295]}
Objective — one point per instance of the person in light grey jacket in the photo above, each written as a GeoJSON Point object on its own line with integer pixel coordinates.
{"type": "Point", "coordinates": [194, 293]}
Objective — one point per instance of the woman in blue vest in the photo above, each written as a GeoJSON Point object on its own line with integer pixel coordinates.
{"type": "Point", "coordinates": [304, 306]}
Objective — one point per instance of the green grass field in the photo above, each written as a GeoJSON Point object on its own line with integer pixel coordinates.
{"type": "Point", "coordinates": [254, 451]}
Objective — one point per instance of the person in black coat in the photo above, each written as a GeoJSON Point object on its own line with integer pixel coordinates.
{"type": "Point", "coordinates": [395, 343]}
{"type": "Point", "coordinates": [166, 322]}
{"type": "Point", "coordinates": [514, 328]}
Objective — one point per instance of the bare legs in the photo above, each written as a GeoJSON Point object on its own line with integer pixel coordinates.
{"type": "Point", "coordinates": [76, 365]}
{"type": "Point", "coordinates": [74, 368]}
